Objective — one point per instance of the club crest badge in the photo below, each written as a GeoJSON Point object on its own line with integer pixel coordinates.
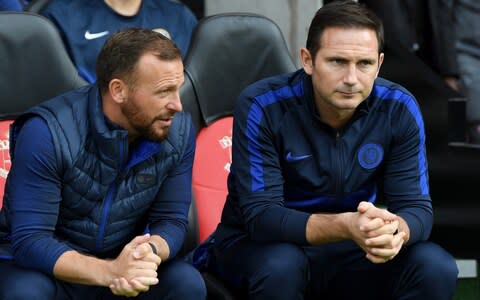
{"type": "Point", "coordinates": [370, 156]}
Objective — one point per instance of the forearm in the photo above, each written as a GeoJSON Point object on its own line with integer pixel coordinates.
{"type": "Point", "coordinates": [278, 224]}
{"type": "Point", "coordinates": [75, 267]}
{"type": "Point", "coordinates": [326, 228]}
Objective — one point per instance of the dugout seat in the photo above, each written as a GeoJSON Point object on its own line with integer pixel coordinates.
{"type": "Point", "coordinates": [228, 52]}
{"type": "Point", "coordinates": [34, 66]}
{"type": "Point", "coordinates": [36, 6]}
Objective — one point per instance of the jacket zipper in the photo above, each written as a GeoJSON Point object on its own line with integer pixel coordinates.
{"type": "Point", "coordinates": [339, 181]}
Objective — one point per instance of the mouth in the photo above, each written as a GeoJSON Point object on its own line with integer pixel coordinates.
{"type": "Point", "coordinates": [165, 122]}
{"type": "Point", "coordinates": [348, 94]}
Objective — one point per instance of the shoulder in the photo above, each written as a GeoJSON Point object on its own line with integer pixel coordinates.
{"type": "Point", "coordinates": [398, 102]}
{"type": "Point", "coordinates": [386, 90]}
{"type": "Point", "coordinates": [274, 88]}
{"type": "Point", "coordinates": [71, 100]}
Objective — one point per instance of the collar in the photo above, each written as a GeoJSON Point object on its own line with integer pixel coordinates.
{"type": "Point", "coordinates": [112, 140]}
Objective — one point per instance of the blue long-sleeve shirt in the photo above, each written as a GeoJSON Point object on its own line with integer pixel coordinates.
{"type": "Point", "coordinates": [37, 199]}
{"type": "Point", "coordinates": [288, 164]}
{"type": "Point", "coordinates": [85, 25]}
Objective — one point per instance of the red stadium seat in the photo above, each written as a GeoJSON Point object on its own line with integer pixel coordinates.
{"type": "Point", "coordinates": [5, 162]}
{"type": "Point", "coordinates": [34, 67]}
{"type": "Point", "coordinates": [227, 52]}
{"type": "Point", "coordinates": [213, 157]}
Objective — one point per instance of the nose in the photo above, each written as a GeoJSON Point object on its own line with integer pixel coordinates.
{"type": "Point", "coordinates": [350, 77]}
{"type": "Point", "coordinates": [174, 103]}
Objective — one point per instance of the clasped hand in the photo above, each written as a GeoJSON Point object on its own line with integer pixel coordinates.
{"type": "Point", "coordinates": [377, 232]}
{"type": "Point", "coordinates": [135, 268]}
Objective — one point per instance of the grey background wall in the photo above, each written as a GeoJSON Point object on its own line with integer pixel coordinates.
{"type": "Point", "coordinates": [292, 16]}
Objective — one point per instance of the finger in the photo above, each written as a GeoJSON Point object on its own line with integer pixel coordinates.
{"type": "Point", "coordinates": [364, 206]}
{"type": "Point", "coordinates": [374, 212]}
{"type": "Point", "coordinates": [399, 239]}
{"type": "Point", "coordinates": [139, 240]}
{"type": "Point", "coordinates": [153, 258]}
{"type": "Point", "coordinates": [386, 228]}
{"type": "Point", "coordinates": [384, 253]}
{"type": "Point", "coordinates": [121, 287]}
{"type": "Point", "coordinates": [139, 286]}
{"type": "Point", "coordinates": [371, 225]}
{"type": "Point", "coordinates": [145, 281]}
{"type": "Point", "coordinates": [376, 259]}
{"type": "Point", "coordinates": [384, 241]}
{"type": "Point", "coordinates": [142, 250]}
{"type": "Point", "coordinates": [143, 266]}
{"type": "Point", "coordinates": [136, 273]}
{"type": "Point", "coordinates": [115, 287]}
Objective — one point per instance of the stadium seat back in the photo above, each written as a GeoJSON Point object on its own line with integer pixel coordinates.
{"type": "Point", "coordinates": [34, 66]}
{"type": "Point", "coordinates": [228, 52]}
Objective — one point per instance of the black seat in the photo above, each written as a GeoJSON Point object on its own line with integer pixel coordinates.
{"type": "Point", "coordinates": [34, 65]}
{"type": "Point", "coordinates": [36, 6]}
{"type": "Point", "coordinates": [227, 52]}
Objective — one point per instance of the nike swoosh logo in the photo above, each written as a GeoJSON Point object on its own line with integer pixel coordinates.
{"type": "Point", "coordinates": [291, 158]}
{"type": "Point", "coordinates": [92, 36]}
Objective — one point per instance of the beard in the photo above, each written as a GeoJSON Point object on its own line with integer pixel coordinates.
{"type": "Point", "coordinates": [142, 123]}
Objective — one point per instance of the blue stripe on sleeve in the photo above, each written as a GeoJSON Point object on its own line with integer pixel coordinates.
{"type": "Point", "coordinates": [413, 108]}
{"type": "Point", "coordinates": [254, 119]}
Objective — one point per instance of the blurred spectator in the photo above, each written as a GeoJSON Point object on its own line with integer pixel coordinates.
{"type": "Point", "coordinates": [467, 15]}
{"type": "Point", "coordinates": [86, 24]}
{"type": "Point", "coordinates": [13, 5]}
{"type": "Point", "coordinates": [423, 27]}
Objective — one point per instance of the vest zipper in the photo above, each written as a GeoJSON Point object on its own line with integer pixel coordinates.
{"type": "Point", "coordinates": [107, 203]}
{"type": "Point", "coordinates": [103, 221]}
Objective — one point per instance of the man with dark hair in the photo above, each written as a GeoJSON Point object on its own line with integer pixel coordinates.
{"type": "Point", "coordinates": [97, 199]}
{"type": "Point", "coordinates": [313, 153]}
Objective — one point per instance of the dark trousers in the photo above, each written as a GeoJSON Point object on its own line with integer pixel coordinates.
{"type": "Point", "coordinates": [336, 271]}
{"type": "Point", "coordinates": [177, 280]}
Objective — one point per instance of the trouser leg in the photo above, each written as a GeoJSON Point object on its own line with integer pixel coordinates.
{"type": "Point", "coordinates": [420, 271]}
{"type": "Point", "coordinates": [266, 271]}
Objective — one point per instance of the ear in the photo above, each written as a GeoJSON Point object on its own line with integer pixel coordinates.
{"type": "Point", "coordinates": [380, 61]}
{"type": "Point", "coordinates": [306, 60]}
{"type": "Point", "coordinates": [118, 90]}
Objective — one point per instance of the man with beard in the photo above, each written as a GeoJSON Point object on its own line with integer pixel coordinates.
{"type": "Point", "coordinates": [96, 204]}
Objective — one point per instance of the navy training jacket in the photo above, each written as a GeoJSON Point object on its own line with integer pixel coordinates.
{"type": "Point", "coordinates": [287, 163]}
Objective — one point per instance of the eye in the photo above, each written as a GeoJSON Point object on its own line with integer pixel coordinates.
{"type": "Point", "coordinates": [337, 61]}
{"type": "Point", "coordinates": [164, 92]}
{"type": "Point", "coordinates": [365, 63]}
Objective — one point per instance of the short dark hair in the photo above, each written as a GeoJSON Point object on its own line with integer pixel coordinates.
{"type": "Point", "coordinates": [343, 14]}
{"type": "Point", "coordinates": [121, 52]}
